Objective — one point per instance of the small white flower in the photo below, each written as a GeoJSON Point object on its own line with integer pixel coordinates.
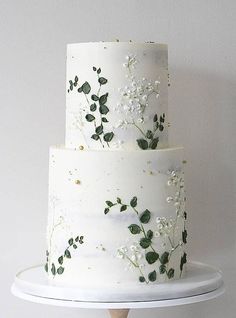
{"type": "Point", "coordinates": [169, 199]}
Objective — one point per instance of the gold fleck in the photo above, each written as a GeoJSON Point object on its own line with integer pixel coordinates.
{"type": "Point", "coordinates": [184, 161]}
{"type": "Point", "coordinates": [151, 173]}
{"type": "Point", "coordinates": [168, 125]}
{"type": "Point", "coordinates": [81, 147]}
{"type": "Point", "coordinates": [77, 182]}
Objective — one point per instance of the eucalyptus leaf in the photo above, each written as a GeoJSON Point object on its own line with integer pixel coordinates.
{"type": "Point", "coordinates": [93, 107]}
{"type": "Point", "coordinates": [89, 117]}
{"type": "Point", "coordinates": [80, 89]}
{"type": "Point", "coordinates": [141, 279]}
{"type": "Point", "coordinates": [151, 257]}
{"type": "Point", "coordinates": [103, 109]}
{"type": "Point", "coordinates": [104, 120]}
{"type": "Point", "coordinates": [133, 202]}
{"type": "Point", "coordinates": [95, 97]}
{"type": "Point", "coordinates": [106, 210]}
{"type": "Point", "coordinates": [60, 270]}
{"type": "Point", "coordinates": [164, 258]}
{"type": "Point", "coordinates": [103, 99]}
{"type": "Point", "coordinates": [60, 260]}
{"type": "Point", "coordinates": [86, 88]}
{"type": "Point", "coordinates": [145, 242]}
{"type": "Point", "coordinates": [162, 269]}
{"type": "Point", "coordinates": [162, 119]}
{"type": "Point", "coordinates": [184, 236]}
{"type": "Point", "coordinates": [134, 228]}
{"type": "Point", "coordinates": [118, 200]}
{"type": "Point", "coordinates": [161, 127]}
{"type": "Point", "coordinates": [171, 273]}
{"type": "Point", "coordinates": [153, 143]}
{"type": "Point", "coordinates": [77, 238]}
{"type": "Point", "coordinates": [99, 130]}
{"type": "Point", "coordinates": [155, 118]}
{"type": "Point", "coordinates": [95, 137]}
{"type": "Point", "coordinates": [109, 203]}
{"type": "Point", "coordinates": [99, 71]}
{"type": "Point", "coordinates": [108, 136]}
{"type": "Point", "coordinates": [94, 68]}
{"type": "Point", "coordinates": [150, 234]}
{"type": "Point", "coordinates": [123, 208]}
{"type": "Point", "coordinates": [152, 276]}
{"type": "Point", "coordinates": [149, 134]}
{"type": "Point", "coordinates": [76, 79]}
{"type": "Point", "coordinates": [46, 267]}
{"type": "Point", "coordinates": [102, 80]}
{"type": "Point", "coordinates": [142, 143]}
{"type": "Point", "coordinates": [145, 217]}
{"type": "Point", "coordinates": [53, 269]}
{"type": "Point", "coordinates": [67, 253]}
{"type": "Point", "coordinates": [71, 241]}
{"type": "Point", "coordinates": [183, 261]}
{"type": "Point", "coordinates": [75, 246]}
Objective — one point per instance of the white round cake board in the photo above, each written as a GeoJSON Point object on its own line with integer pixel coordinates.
{"type": "Point", "coordinates": [201, 282]}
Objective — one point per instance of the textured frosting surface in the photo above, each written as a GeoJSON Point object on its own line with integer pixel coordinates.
{"type": "Point", "coordinates": [116, 218]}
{"type": "Point", "coordinates": [116, 96]}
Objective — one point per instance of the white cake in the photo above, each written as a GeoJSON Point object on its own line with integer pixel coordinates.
{"type": "Point", "coordinates": [116, 190]}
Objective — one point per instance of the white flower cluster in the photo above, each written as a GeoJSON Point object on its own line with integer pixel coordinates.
{"type": "Point", "coordinates": [135, 95]}
{"type": "Point", "coordinates": [178, 199]}
{"type": "Point", "coordinates": [164, 226]}
{"type": "Point", "coordinates": [133, 254]}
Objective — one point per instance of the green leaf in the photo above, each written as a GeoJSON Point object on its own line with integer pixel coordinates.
{"type": "Point", "coordinates": [102, 80]}
{"type": "Point", "coordinates": [70, 82]}
{"type": "Point", "coordinates": [109, 203]}
{"type": "Point", "coordinates": [145, 242]}
{"type": "Point", "coordinates": [162, 269]}
{"type": "Point", "coordinates": [133, 202]}
{"type": "Point", "coordinates": [47, 253]}
{"type": "Point", "coordinates": [71, 87]}
{"type": "Point", "coordinates": [53, 269]}
{"type": "Point", "coordinates": [185, 215]}
{"type": "Point", "coordinates": [152, 276]}
{"type": "Point", "coordinates": [67, 254]}
{"type": "Point", "coordinates": [93, 107]}
{"type": "Point", "coordinates": [75, 246]}
{"type": "Point", "coordinates": [134, 229]}
{"type": "Point", "coordinates": [99, 71]}
{"type": "Point", "coordinates": [141, 279]}
{"type": "Point", "coordinates": [118, 200]}
{"type": "Point", "coordinates": [164, 259]}
{"type": "Point", "coordinates": [123, 208]}
{"type": "Point", "coordinates": [99, 130]}
{"type": "Point", "coordinates": [161, 127]}
{"type": "Point", "coordinates": [108, 136]}
{"type": "Point", "coordinates": [171, 273]}
{"type": "Point", "coordinates": [80, 89]}
{"type": "Point", "coordinates": [71, 241]}
{"type": "Point", "coordinates": [103, 109]}
{"type": "Point", "coordinates": [183, 261]}
{"type": "Point", "coordinates": [46, 267]}
{"type": "Point", "coordinates": [104, 120]}
{"type": "Point", "coordinates": [150, 234]}
{"type": "Point", "coordinates": [184, 236]}
{"type": "Point", "coordinates": [149, 134]}
{"type": "Point", "coordinates": [151, 257]}
{"type": "Point", "coordinates": [153, 143]}
{"type": "Point", "coordinates": [103, 99]}
{"type": "Point", "coordinates": [95, 137]}
{"type": "Point", "coordinates": [162, 119]}
{"type": "Point", "coordinates": [142, 143]}
{"type": "Point", "coordinates": [155, 118]}
{"type": "Point", "coordinates": [89, 117]}
{"type": "Point", "coordinates": [86, 88]}
{"type": "Point", "coordinates": [145, 217]}
{"type": "Point", "coordinates": [77, 238]}
{"type": "Point", "coordinates": [76, 79]}
{"type": "Point", "coordinates": [95, 97]}
{"type": "Point", "coordinates": [106, 210]}
{"type": "Point", "coordinates": [60, 260]}
{"type": "Point", "coordinates": [81, 240]}
{"type": "Point", "coordinates": [94, 68]}
{"type": "Point", "coordinates": [75, 84]}
{"type": "Point", "coordinates": [60, 270]}
{"type": "Point", "coordinates": [157, 125]}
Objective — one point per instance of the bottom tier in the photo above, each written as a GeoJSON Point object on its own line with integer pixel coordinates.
{"type": "Point", "coordinates": [116, 218]}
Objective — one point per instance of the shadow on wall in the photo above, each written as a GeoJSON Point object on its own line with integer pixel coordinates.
{"type": "Point", "coordinates": [202, 113]}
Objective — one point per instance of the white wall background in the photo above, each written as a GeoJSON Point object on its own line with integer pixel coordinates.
{"type": "Point", "coordinates": [202, 57]}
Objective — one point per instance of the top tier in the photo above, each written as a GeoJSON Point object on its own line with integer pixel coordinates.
{"type": "Point", "coordinates": [117, 96]}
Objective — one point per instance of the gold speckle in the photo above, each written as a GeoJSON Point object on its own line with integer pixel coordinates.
{"type": "Point", "coordinates": [184, 161]}
{"type": "Point", "coordinates": [168, 125]}
{"type": "Point", "coordinates": [151, 173]}
{"type": "Point", "coordinates": [81, 147]}
{"type": "Point", "coordinates": [77, 181]}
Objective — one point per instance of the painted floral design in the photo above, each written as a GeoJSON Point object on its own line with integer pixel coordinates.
{"type": "Point", "coordinates": [135, 99]}
{"type": "Point", "coordinates": [97, 110]}
{"type": "Point", "coordinates": [143, 251]}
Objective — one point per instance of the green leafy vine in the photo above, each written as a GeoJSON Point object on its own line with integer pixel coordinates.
{"type": "Point", "coordinates": [59, 268]}
{"type": "Point", "coordinates": [145, 241]}
{"type": "Point", "coordinates": [97, 107]}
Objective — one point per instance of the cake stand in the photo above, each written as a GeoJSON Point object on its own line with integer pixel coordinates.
{"type": "Point", "coordinates": [201, 282]}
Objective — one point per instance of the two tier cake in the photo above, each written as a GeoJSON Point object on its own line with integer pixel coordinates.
{"type": "Point", "coordinates": [117, 217]}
